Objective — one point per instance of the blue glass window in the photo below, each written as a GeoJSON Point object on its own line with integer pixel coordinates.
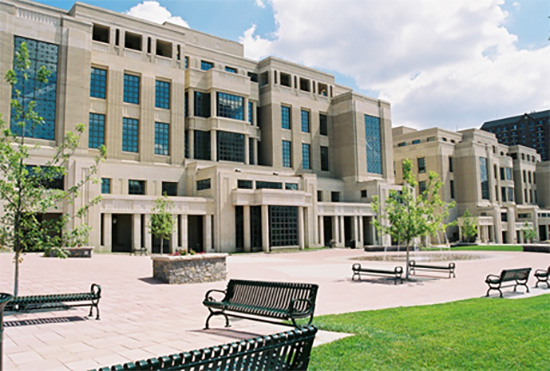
{"type": "Point", "coordinates": [202, 104]}
{"type": "Point", "coordinates": [201, 145]}
{"type": "Point", "coordinates": [98, 83]}
{"type": "Point", "coordinates": [250, 118]}
{"type": "Point", "coordinates": [230, 106]}
{"type": "Point", "coordinates": [484, 179]}
{"type": "Point", "coordinates": [130, 131]}
{"type": "Point", "coordinates": [96, 130]}
{"type": "Point", "coordinates": [421, 165]}
{"type": "Point", "coordinates": [105, 185]}
{"type": "Point", "coordinates": [305, 156]}
{"type": "Point", "coordinates": [186, 104]}
{"type": "Point", "coordinates": [374, 144]}
{"type": "Point", "coordinates": [305, 121]}
{"type": "Point", "coordinates": [323, 124]}
{"type": "Point", "coordinates": [43, 93]}
{"type": "Point", "coordinates": [287, 154]}
{"type": "Point", "coordinates": [131, 88]}
{"type": "Point", "coordinates": [285, 117]}
{"type": "Point", "coordinates": [205, 66]}
{"type": "Point", "coordinates": [231, 69]}
{"type": "Point", "coordinates": [162, 139]}
{"type": "Point", "coordinates": [162, 94]}
{"type": "Point", "coordinates": [203, 184]}
{"type": "Point", "coordinates": [230, 146]}
{"type": "Point", "coordinates": [136, 187]}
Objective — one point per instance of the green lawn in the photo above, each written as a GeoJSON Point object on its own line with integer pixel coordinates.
{"type": "Point", "coordinates": [475, 334]}
{"type": "Point", "coordinates": [489, 248]}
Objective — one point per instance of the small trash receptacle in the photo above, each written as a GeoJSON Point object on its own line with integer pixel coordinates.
{"type": "Point", "coordinates": [353, 244]}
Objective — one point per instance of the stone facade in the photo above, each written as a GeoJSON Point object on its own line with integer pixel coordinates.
{"type": "Point", "coordinates": [190, 268]}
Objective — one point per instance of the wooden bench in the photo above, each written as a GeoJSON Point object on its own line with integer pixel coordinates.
{"type": "Point", "coordinates": [542, 276]}
{"type": "Point", "coordinates": [259, 300]}
{"type": "Point", "coordinates": [430, 267]}
{"type": "Point", "coordinates": [397, 272]}
{"type": "Point", "coordinates": [57, 301]}
{"type": "Point", "coordinates": [288, 350]}
{"type": "Point", "coordinates": [519, 276]}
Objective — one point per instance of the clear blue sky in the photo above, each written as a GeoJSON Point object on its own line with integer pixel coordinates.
{"type": "Point", "coordinates": [453, 63]}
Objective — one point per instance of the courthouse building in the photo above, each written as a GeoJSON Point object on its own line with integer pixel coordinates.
{"type": "Point", "coordinates": [505, 187]}
{"type": "Point", "coordinates": [253, 155]}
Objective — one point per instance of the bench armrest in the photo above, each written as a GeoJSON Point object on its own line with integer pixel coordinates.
{"type": "Point", "coordinates": [492, 277]}
{"type": "Point", "coordinates": [208, 297]}
{"type": "Point", "coordinates": [95, 289]}
{"type": "Point", "coordinates": [541, 271]}
{"type": "Point", "coordinates": [292, 306]}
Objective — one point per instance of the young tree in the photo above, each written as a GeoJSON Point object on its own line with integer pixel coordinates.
{"type": "Point", "coordinates": [26, 190]}
{"type": "Point", "coordinates": [405, 216]}
{"type": "Point", "coordinates": [469, 226]}
{"type": "Point", "coordinates": [529, 233]}
{"type": "Point", "coordinates": [162, 222]}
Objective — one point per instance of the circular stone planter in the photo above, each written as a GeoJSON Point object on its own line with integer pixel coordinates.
{"type": "Point", "coordinates": [190, 268]}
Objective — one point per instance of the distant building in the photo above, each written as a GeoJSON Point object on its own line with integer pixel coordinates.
{"type": "Point", "coordinates": [530, 130]}
{"type": "Point", "coordinates": [504, 187]}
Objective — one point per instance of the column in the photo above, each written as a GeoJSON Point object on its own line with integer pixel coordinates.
{"type": "Point", "coordinates": [207, 233]}
{"type": "Point", "coordinates": [375, 240]}
{"type": "Point", "coordinates": [321, 231]}
{"type": "Point", "coordinates": [255, 151]}
{"type": "Point", "coordinates": [191, 142]}
{"type": "Point", "coordinates": [301, 227]}
{"type": "Point", "coordinates": [183, 234]}
{"type": "Point", "coordinates": [136, 231]}
{"type": "Point", "coordinates": [335, 230]}
{"type": "Point", "coordinates": [361, 233]}
{"type": "Point", "coordinates": [342, 231]}
{"type": "Point", "coordinates": [355, 229]}
{"type": "Point", "coordinates": [174, 243]}
{"type": "Point", "coordinates": [246, 149]}
{"type": "Point", "coordinates": [246, 228]}
{"type": "Point", "coordinates": [213, 147]}
{"type": "Point", "coordinates": [148, 239]}
{"type": "Point", "coordinates": [108, 232]}
{"type": "Point", "coordinates": [265, 229]}
{"type": "Point", "coordinates": [460, 233]}
{"type": "Point", "coordinates": [245, 109]}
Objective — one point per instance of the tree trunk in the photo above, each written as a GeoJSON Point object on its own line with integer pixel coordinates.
{"type": "Point", "coordinates": [161, 245]}
{"type": "Point", "coordinates": [407, 262]}
{"type": "Point", "coordinates": [16, 278]}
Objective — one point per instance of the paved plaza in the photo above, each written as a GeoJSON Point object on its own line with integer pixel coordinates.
{"type": "Point", "coordinates": [141, 317]}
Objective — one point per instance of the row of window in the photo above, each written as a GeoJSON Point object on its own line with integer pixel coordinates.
{"type": "Point", "coordinates": [286, 120]}
{"type": "Point", "coordinates": [261, 184]}
{"type": "Point", "coordinates": [429, 139]}
{"type": "Point", "coordinates": [138, 187]}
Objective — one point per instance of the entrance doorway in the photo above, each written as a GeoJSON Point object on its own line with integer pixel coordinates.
{"type": "Point", "coordinates": [327, 230]}
{"type": "Point", "coordinates": [195, 232]}
{"type": "Point", "coordinates": [121, 233]}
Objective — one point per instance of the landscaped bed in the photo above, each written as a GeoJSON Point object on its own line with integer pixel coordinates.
{"type": "Point", "coordinates": [475, 334]}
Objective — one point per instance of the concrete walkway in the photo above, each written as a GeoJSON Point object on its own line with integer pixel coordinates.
{"type": "Point", "coordinates": [141, 317]}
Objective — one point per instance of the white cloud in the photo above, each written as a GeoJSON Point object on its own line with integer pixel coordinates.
{"type": "Point", "coordinates": [260, 4]}
{"type": "Point", "coordinates": [439, 63]}
{"type": "Point", "coordinates": [151, 10]}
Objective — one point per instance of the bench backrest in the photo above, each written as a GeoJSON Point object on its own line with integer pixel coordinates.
{"type": "Point", "coordinates": [288, 350]}
{"type": "Point", "coordinates": [515, 274]}
{"type": "Point", "coordinates": [273, 295]}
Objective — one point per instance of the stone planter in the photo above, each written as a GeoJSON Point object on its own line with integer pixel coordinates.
{"type": "Point", "coordinates": [73, 252]}
{"type": "Point", "coordinates": [190, 268]}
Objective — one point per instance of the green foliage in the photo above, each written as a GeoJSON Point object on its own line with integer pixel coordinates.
{"type": "Point", "coordinates": [469, 226]}
{"type": "Point", "coordinates": [26, 188]}
{"type": "Point", "coordinates": [529, 233]}
{"type": "Point", "coordinates": [162, 222]}
{"type": "Point", "coordinates": [441, 337]}
{"type": "Point", "coordinates": [405, 216]}
{"type": "Point", "coordinates": [489, 248]}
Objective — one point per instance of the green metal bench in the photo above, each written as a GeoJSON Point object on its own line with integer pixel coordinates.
{"type": "Point", "coordinates": [288, 350]}
{"type": "Point", "coordinates": [430, 267]}
{"type": "Point", "coordinates": [357, 269]}
{"type": "Point", "coordinates": [542, 276]}
{"type": "Point", "coordinates": [57, 301]}
{"type": "Point", "coordinates": [518, 276]}
{"type": "Point", "coordinates": [259, 300]}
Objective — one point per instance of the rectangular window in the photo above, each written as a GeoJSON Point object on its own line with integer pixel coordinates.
{"type": "Point", "coordinates": [131, 88]}
{"type": "Point", "coordinates": [98, 83]}
{"type": "Point", "coordinates": [244, 184]}
{"type": "Point", "coordinates": [324, 158]}
{"type": "Point", "coordinates": [416, 141]}
{"type": "Point", "coordinates": [285, 117]}
{"type": "Point", "coordinates": [162, 94]}
{"type": "Point", "coordinates": [323, 124]}
{"type": "Point", "coordinates": [509, 174]}
{"type": "Point", "coordinates": [250, 111]}
{"type": "Point", "coordinates": [202, 104]}
{"type": "Point", "coordinates": [528, 176]}
{"type": "Point", "coordinates": [136, 187]}
{"type": "Point", "coordinates": [450, 164]}
{"type": "Point", "coordinates": [230, 69]}
{"type": "Point", "coordinates": [421, 165]}
{"type": "Point", "coordinates": [287, 153]}
{"type": "Point", "coordinates": [484, 178]}
{"type": "Point", "coordinates": [96, 130]}
{"type": "Point", "coordinates": [283, 222]}
{"type": "Point", "coordinates": [374, 144]}
{"type": "Point", "coordinates": [170, 188]}
{"type": "Point", "coordinates": [305, 121]}
{"type": "Point", "coordinates": [502, 176]}
{"type": "Point", "coordinates": [230, 106]}
{"type": "Point", "coordinates": [130, 134]}
{"type": "Point", "coordinates": [452, 185]}
{"type": "Point", "coordinates": [203, 184]}
{"type": "Point", "coordinates": [268, 185]}
{"type": "Point", "coordinates": [421, 186]}
{"type": "Point", "coordinates": [291, 186]}
{"type": "Point", "coordinates": [363, 193]}
{"type": "Point", "coordinates": [43, 93]}
{"type": "Point", "coordinates": [230, 146]}
{"type": "Point", "coordinates": [320, 196]}
{"type": "Point", "coordinates": [510, 194]}
{"type": "Point", "coordinates": [335, 196]}
{"type": "Point", "coordinates": [186, 104]}
{"type": "Point", "coordinates": [105, 185]}
{"type": "Point", "coordinates": [201, 145]}
{"type": "Point", "coordinates": [401, 144]}
{"type": "Point", "coordinates": [524, 177]}
{"type": "Point", "coordinates": [100, 33]}
{"type": "Point", "coordinates": [205, 66]}
{"type": "Point", "coordinates": [162, 139]}
{"type": "Point", "coordinates": [251, 159]}
{"type": "Point", "coordinates": [305, 156]}
{"type": "Point", "coordinates": [503, 193]}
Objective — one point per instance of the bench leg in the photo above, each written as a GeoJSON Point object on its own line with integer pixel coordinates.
{"type": "Point", "coordinates": [543, 281]}
{"type": "Point", "coordinates": [493, 288]}
{"type": "Point", "coordinates": [213, 313]}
